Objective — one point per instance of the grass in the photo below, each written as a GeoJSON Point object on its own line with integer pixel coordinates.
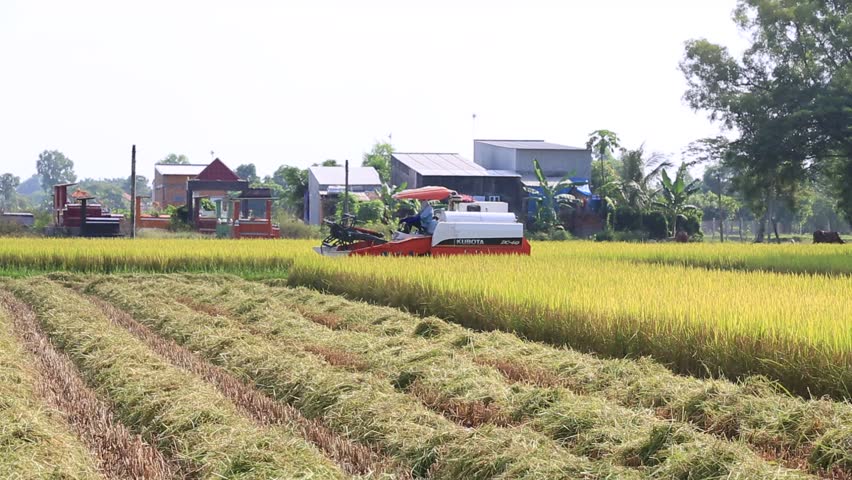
{"type": "Point", "coordinates": [178, 412]}
{"type": "Point", "coordinates": [467, 393]}
{"type": "Point", "coordinates": [35, 441]}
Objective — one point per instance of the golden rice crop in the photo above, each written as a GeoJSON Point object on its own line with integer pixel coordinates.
{"type": "Point", "coordinates": [793, 328]}
{"type": "Point", "coordinates": [26, 255]}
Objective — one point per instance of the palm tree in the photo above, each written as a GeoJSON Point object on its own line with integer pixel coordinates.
{"type": "Point", "coordinates": [675, 195]}
{"type": "Point", "coordinates": [549, 199]}
{"type": "Point", "coordinates": [636, 185]}
{"type": "Point", "coordinates": [601, 143]}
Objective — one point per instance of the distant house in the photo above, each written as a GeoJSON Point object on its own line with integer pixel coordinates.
{"type": "Point", "coordinates": [453, 171]}
{"type": "Point", "coordinates": [557, 161]}
{"type": "Point", "coordinates": [326, 184]}
{"type": "Point", "coordinates": [170, 183]}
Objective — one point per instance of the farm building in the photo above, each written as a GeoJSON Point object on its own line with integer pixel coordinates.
{"type": "Point", "coordinates": [326, 184]}
{"type": "Point", "coordinates": [517, 156]}
{"type": "Point", "coordinates": [170, 183]}
{"type": "Point", "coordinates": [453, 171]}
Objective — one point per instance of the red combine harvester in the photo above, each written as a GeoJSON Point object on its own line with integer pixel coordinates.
{"type": "Point", "coordinates": [81, 217]}
{"type": "Point", "coordinates": [456, 233]}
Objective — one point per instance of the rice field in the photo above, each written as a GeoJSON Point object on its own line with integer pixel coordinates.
{"type": "Point", "coordinates": [210, 359]}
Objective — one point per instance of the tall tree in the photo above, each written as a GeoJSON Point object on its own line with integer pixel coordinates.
{"type": "Point", "coordinates": [379, 157]}
{"type": "Point", "coordinates": [247, 171]}
{"type": "Point", "coordinates": [789, 96]}
{"type": "Point", "coordinates": [602, 143]}
{"type": "Point", "coordinates": [8, 192]}
{"type": "Point", "coordinates": [174, 159]}
{"type": "Point", "coordinates": [54, 167]}
{"type": "Point", "coordinates": [330, 163]}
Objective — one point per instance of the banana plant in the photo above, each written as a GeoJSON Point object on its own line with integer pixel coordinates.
{"type": "Point", "coordinates": [675, 195]}
{"type": "Point", "coordinates": [548, 199]}
{"type": "Point", "coordinates": [392, 205]}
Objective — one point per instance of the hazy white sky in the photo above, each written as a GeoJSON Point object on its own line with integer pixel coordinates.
{"type": "Point", "coordinates": [298, 82]}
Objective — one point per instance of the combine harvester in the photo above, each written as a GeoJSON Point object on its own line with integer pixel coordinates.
{"type": "Point", "coordinates": [456, 232]}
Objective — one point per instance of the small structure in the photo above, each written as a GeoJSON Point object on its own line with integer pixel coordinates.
{"type": "Point", "coordinates": [143, 220]}
{"type": "Point", "coordinates": [170, 183]}
{"type": "Point", "coordinates": [80, 216]}
{"type": "Point", "coordinates": [253, 215]}
{"type": "Point", "coordinates": [18, 218]}
{"type": "Point", "coordinates": [326, 184]}
{"type": "Point", "coordinates": [452, 170]}
{"type": "Point", "coordinates": [213, 183]}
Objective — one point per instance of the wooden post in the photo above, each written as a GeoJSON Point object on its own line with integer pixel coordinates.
{"type": "Point", "coordinates": [133, 191]}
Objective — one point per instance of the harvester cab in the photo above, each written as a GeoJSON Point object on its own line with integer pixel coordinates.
{"type": "Point", "coordinates": [455, 232]}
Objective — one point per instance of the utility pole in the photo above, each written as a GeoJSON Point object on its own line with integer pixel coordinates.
{"type": "Point", "coordinates": [133, 192]}
{"type": "Point", "coordinates": [346, 191]}
{"type": "Point", "coordinates": [721, 217]}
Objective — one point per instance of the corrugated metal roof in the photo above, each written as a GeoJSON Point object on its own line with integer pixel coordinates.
{"type": "Point", "coordinates": [528, 145]}
{"type": "Point", "coordinates": [337, 175]}
{"type": "Point", "coordinates": [191, 169]}
{"type": "Point", "coordinates": [447, 165]}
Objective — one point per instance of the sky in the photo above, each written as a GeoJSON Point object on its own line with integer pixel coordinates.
{"type": "Point", "coordinates": [275, 82]}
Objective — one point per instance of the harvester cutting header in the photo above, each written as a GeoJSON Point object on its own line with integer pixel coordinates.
{"type": "Point", "coordinates": [456, 230]}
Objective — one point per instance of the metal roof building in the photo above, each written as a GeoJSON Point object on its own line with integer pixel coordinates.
{"type": "Point", "coordinates": [328, 182]}
{"type": "Point", "coordinates": [556, 160]}
{"type": "Point", "coordinates": [453, 171]}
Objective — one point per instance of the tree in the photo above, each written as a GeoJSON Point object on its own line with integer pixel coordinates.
{"type": "Point", "coordinates": [393, 206]}
{"type": "Point", "coordinates": [379, 157]}
{"type": "Point", "coordinates": [54, 168]}
{"type": "Point", "coordinates": [675, 194]}
{"type": "Point", "coordinates": [294, 181]}
{"type": "Point", "coordinates": [788, 96]}
{"type": "Point", "coordinates": [330, 163]}
{"type": "Point", "coordinates": [549, 198]}
{"type": "Point", "coordinates": [637, 186]}
{"type": "Point", "coordinates": [8, 192]}
{"type": "Point", "coordinates": [247, 172]}
{"type": "Point", "coordinates": [602, 143]}
{"type": "Point", "coordinates": [173, 159]}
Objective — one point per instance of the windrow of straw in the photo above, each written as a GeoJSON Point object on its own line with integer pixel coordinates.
{"type": "Point", "coordinates": [120, 454]}
{"type": "Point", "coordinates": [588, 426]}
{"type": "Point", "coordinates": [174, 409]}
{"type": "Point", "coordinates": [355, 459]}
{"type": "Point", "coordinates": [754, 411]}
{"type": "Point", "coordinates": [364, 407]}
{"type": "Point", "coordinates": [458, 387]}
{"type": "Point", "coordinates": [794, 329]}
{"type": "Point", "coordinates": [35, 441]}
